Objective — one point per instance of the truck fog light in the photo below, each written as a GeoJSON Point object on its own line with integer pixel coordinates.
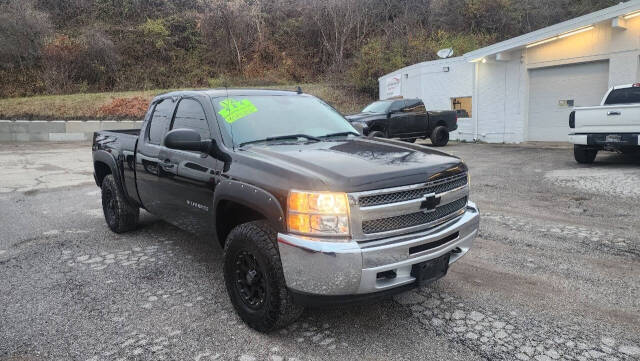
{"type": "Point", "coordinates": [318, 213]}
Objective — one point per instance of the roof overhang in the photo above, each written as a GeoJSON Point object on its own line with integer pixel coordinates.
{"type": "Point", "coordinates": [618, 13]}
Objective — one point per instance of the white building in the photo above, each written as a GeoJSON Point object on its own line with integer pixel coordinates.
{"type": "Point", "coordinates": [524, 88]}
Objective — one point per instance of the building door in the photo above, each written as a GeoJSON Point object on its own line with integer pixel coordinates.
{"type": "Point", "coordinates": [554, 91]}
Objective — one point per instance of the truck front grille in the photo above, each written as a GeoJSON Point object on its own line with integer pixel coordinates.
{"type": "Point", "coordinates": [413, 219]}
{"type": "Point", "coordinates": [437, 186]}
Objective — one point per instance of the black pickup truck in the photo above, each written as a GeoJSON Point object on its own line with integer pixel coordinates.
{"type": "Point", "coordinates": [306, 209]}
{"type": "Point", "coordinates": [407, 119]}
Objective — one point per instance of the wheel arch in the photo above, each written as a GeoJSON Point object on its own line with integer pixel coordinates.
{"type": "Point", "coordinates": [237, 202]}
{"type": "Point", "coordinates": [103, 165]}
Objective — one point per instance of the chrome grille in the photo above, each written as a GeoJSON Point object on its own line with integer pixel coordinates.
{"type": "Point", "coordinates": [438, 186]}
{"type": "Point", "coordinates": [412, 219]}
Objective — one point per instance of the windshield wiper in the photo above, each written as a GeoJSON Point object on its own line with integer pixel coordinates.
{"type": "Point", "coordinates": [282, 137]}
{"type": "Point", "coordinates": [340, 134]}
{"type": "Point", "coordinates": [295, 136]}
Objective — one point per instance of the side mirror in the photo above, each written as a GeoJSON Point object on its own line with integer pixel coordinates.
{"type": "Point", "coordinates": [186, 139]}
{"type": "Point", "coordinates": [189, 139]}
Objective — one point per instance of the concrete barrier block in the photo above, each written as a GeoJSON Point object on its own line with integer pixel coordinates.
{"type": "Point", "coordinates": [67, 137]}
{"type": "Point", "coordinates": [82, 127]}
{"type": "Point", "coordinates": [19, 127]}
{"type": "Point", "coordinates": [6, 136]}
{"type": "Point", "coordinates": [114, 125]}
{"type": "Point", "coordinates": [36, 126]}
{"type": "Point", "coordinates": [22, 137]}
{"type": "Point", "coordinates": [39, 137]}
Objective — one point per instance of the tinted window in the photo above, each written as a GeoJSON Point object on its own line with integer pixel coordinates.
{"type": "Point", "coordinates": [190, 115]}
{"type": "Point", "coordinates": [414, 106]}
{"type": "Point", "coordinates": [160, 121]}
{"type": "Point", "coordinates": [624, 96]}
{"type": "Point", "coordinates": [396, 105]}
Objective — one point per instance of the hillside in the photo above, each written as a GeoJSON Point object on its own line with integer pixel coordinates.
{"type": "Point", "coordinates": [79, 46]}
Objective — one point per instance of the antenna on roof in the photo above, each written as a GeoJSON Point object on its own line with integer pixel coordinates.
{"type": "Point", "coordinates": [299, 90]}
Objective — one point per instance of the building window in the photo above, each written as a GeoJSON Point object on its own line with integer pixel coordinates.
{"type": "Point", "coordinates": [462, 106]}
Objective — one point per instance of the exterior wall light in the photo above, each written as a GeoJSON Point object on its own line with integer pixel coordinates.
{"type": "Point", "coordinates": [632, 15]}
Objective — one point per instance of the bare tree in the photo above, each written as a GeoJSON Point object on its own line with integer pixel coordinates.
{"type": "Point", "coordinates": [341, 23]}
{"type": "Point", "coordinates": [23, 31]}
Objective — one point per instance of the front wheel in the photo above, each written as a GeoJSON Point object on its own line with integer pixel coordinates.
{"type": "Point", "coordinates": [440, 136]}
{"type": "Point", "coordinates": [584, 155]}
{"type": "Point", "coordinates": [254, 278]}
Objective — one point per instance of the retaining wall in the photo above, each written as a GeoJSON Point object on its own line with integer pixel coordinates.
{"type": "Point", "coordinates": [58, 130]}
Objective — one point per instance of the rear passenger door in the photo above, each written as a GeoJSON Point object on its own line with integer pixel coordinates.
{"type": "Point", "coordinates": [190, 175]}
{"type": "Point", "coordinates": [148, 163]}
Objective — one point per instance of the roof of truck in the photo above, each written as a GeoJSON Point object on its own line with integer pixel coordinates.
{"type": "Point", "coordinates": [222, 92]}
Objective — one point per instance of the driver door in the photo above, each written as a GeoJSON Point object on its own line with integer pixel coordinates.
{"type": "Point", "coordinates": [191, 175]}
{"type": "Point", "coordinates": [397, 120]}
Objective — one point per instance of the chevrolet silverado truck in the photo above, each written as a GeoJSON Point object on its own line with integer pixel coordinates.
{"type": "Point", "coordinates": [612, 126]}
{"type": "Point", "coordinates": [407, 119]}
{"type": "Point", "coordinates": [306, 210]}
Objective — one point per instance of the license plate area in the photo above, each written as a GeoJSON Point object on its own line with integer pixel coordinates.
{"type": "Point", "coordinates": [431, 270]}
{"type": "Point", "coordinates": [613, 139]}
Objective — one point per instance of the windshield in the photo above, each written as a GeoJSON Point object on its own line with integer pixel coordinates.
{"type": "Point", "coordinates": [377, 107]}
{"type": "Point", "coordinates": [251, 118]}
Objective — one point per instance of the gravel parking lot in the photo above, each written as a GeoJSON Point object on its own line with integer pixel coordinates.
{"type": "Point", "coordinates": [555, 273]}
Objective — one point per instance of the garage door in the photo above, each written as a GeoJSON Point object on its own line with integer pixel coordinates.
{"type": "Point", "coordinates": [551, 91]}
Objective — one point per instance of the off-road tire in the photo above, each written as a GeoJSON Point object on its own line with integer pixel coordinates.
{"type": "Point", "coordinates": [440, 136]}
{"type": "Point", "coordinates": [119, 214]}
{"type": "Point", "coordinates": [377, 134]}
{"type": "Point", "coordinates": [259, 239]}
{"type": "Point", "coordinates": [584, 155]}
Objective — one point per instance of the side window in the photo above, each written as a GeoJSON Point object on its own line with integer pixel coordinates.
{"type": "Point", "coordinates": [396, 106]}
{"type": "Point", "coordinates": [414, 106]}
{"type": "Point", "coordinates": [190, 115]}
{"type": "Point", "coordinates": [160, 121]}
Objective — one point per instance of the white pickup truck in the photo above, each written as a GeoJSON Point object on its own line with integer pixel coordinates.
{"type": "Point", "coordinates": [613, 126]}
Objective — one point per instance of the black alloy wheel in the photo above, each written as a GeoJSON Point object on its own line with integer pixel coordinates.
{"type": "Point", "coordinates": [250, 281]}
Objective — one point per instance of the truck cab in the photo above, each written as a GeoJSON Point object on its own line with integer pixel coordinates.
{"type": "Point", "coordinates": [306, 210]}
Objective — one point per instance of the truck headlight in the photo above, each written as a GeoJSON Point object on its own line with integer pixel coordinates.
{"type": "Point", "coordinates": [318, 213]}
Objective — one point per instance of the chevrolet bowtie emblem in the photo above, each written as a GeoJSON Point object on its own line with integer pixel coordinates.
{"type": "Point", "coordinates": [429, 203]}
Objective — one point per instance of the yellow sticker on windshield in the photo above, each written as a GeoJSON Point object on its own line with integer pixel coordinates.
{"type": "Point", "coordinates": [233, 110]}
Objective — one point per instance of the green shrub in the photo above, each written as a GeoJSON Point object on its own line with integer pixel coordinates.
{"type": "Point", "coordinates": [156, 32]}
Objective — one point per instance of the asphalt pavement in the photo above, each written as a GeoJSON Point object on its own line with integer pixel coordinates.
{"type": "Point", "coordinates": [554, 274]}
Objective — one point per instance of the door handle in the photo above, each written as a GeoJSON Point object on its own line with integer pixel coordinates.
{"type": "Point", "coordinates": [610, 113]}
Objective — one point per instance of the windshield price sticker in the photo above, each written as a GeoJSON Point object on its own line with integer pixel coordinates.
{"type": "Point", "coordinates": [233, 110]}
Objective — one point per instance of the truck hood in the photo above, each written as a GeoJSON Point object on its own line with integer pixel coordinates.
{"type": "Point", "coordinates": [352, 165]}
{"type": "Point", "coordinates": [363, 117]}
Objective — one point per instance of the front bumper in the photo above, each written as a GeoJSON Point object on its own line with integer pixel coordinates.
{"type": "Point", "coordinates": [316, 267]}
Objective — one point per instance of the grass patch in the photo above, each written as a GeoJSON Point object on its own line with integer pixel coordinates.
{"type": "Point", "coordinates": [131, 105]}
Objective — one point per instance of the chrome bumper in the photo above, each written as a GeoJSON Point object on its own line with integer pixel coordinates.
{"type": "Point", "coordinates": [317, 267]}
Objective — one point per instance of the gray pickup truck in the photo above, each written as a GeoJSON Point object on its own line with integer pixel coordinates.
{"type": "Point", "coordinates": [307, 210]}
